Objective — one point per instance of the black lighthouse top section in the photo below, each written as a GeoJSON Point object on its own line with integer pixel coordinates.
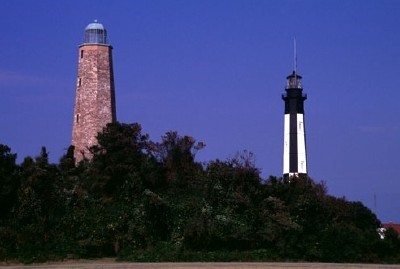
{"type": "Point", "coordinates": [95, 33]}
{"type": "Point", "coordinates": [294, 98]}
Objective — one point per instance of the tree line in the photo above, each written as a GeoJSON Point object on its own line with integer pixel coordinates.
{"type": "Point", "coordinates": [141, 200]}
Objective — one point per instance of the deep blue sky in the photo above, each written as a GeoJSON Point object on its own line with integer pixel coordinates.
{"type": "Point", "coordinates": [215, 70]}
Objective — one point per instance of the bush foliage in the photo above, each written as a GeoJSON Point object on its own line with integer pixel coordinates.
{"type": "Point", "coordinates": [141, 200]}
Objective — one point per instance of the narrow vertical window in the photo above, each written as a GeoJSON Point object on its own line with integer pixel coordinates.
{"type": "Point", "coordinates": [81, 54]}
{"type": "Point", "coordinates": [77, 118]}
{"type": "Point", "coordinates": [79, 82]}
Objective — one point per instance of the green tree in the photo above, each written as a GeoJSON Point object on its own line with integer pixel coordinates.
{"type": "Point", "coordinates": [177, 155]}
{"type": "Point", "coordinates": [227, 216]}
{"type": "Point", "coordinates": [350, 234]}
{"type": "Point", "coordinates": [118, 161]}
{"type": "Point", "coordinates": [9, 181]}
{"type": "Point", "coordinates": [9, 185]}
{"type": "Point", "coordinates": [40, 206]}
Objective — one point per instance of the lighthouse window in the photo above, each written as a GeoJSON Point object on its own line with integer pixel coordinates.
{"type": "Point", "coordinates": [80, 82]}
{"type": "Point", "coordinates": [77, 118]}
{"type": "Point", "coordinates": [81, 54]}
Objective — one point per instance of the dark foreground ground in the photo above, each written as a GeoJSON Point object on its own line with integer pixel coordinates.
{"type": "Point", "coordinates": [117, 265]}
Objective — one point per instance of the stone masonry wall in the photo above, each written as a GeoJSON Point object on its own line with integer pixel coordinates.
{"type": "Point", "coordinates": [95, 97]}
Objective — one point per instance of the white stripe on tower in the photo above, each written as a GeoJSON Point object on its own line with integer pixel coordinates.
{"type": "Point", "coordinates": [286, 145]}
{"type": "Point", "coordinates": [301, 145]}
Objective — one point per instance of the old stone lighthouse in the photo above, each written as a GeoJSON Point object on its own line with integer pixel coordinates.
{"type": "Point", "coordinates": [95, 93]}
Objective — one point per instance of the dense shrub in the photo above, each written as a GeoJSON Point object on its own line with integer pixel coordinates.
{"type": "Point", "coordinates": [144, 201]}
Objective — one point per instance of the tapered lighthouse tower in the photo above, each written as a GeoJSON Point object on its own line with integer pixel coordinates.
{"type": "Point", "coordinates": [294, 149]}
{"type": "Point", "coordinates": [95, 93]}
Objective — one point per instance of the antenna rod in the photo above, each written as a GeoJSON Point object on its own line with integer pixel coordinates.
{"type": "Point", "coordinates": [295, 57]}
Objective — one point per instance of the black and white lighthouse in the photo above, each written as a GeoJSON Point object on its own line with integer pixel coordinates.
{"type": "Point", "coordinates": [294, 149]}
